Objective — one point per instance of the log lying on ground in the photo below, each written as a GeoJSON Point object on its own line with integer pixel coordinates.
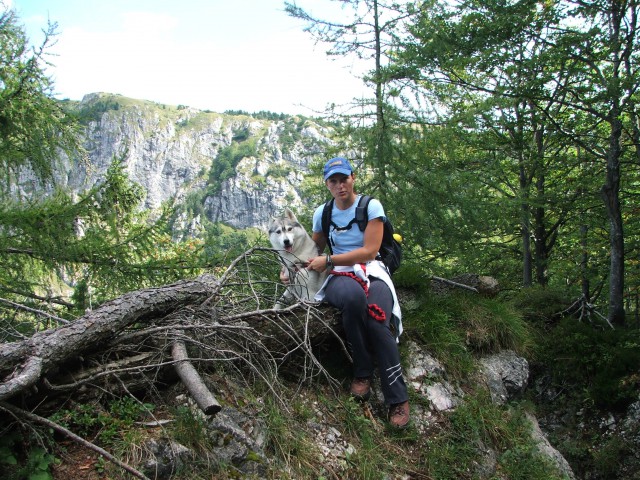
{"type": "Point", "coordinates": [132, 340]}
{"type": "Point", "coordinates": [210, 313]}
{"type": "Point", "coordinates": [484, 285]}
{"type": "Point", "coordinates": [23, 363]}
{"type": "Point", "coordinates": [192, 380]}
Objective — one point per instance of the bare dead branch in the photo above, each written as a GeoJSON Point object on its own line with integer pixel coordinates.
{"type": "Point", "coordinates": [192, 380]}
{"type": "Point", "coordinates": [455, 284]}
{"type": "Point", "coordinates": [586, 309]}
{"type": "Point", "coordinates": [24, 362]}
{"type": "Point", "coordinates": [40, 313]}
{"type": "Point", "coordinates": [54, 300]}
{"type": "Point", "coordinates": [92, 374]}
{"type": "Point", "coordinates": [230, 321]}
{"type": "Point", "coordinates": [59, 428]}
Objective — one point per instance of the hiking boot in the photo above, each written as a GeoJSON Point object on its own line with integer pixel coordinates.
{"type": "Point", "coordinates": [361, 389]}
{"type": "Point", "coordinates": [399, 414]}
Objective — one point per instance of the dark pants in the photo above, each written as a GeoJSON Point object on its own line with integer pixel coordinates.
{"type": "Point", "coordinates": [370, 341]}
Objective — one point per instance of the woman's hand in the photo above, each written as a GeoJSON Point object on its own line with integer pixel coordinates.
{"type": "Point", "coordinates": [284, 275]}
{"type": "Point", "coordinates": [318, 264]}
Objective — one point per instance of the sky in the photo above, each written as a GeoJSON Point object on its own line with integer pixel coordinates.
{"type": "Point", "coordinates": [209, 54]}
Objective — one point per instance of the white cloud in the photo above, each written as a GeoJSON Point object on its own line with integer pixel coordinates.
{"type": "Point", "coordinates": [216, 61]}
{"type": "Point", "coordinates": [148, 23]}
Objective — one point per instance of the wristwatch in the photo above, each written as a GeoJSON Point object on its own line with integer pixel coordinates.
{"type": "Point", "coordinates": [329, 262]}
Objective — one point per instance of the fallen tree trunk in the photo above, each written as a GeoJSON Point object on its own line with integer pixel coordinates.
{"type": "Point", "coordinates": [192, 380]}
{"type": "Point", "coordinates": [222, 318]}
{"type": "Point", "coordinates": [23, 363]}
{"type": "Point", "coordinates": [133, 345]}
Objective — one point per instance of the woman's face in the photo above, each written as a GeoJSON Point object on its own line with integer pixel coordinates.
{"type": "Point", "coordinates": [340, 186]}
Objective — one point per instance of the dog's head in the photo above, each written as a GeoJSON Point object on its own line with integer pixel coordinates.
{"type": "Point", "coordinates": [282, 231]}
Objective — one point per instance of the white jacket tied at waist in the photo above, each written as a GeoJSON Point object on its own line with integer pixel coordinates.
{"type": "Point", "coordinates": [376, 269]}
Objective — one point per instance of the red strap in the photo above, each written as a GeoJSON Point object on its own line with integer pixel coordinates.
{"type": "Point", "coordinates": [373, 309]}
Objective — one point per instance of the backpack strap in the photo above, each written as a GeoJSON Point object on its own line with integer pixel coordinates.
{"type": "Point", "coordinates": [326, 221]}
{"type": "Point", "coordinates": [361, 218]}
{"type": "Point", "coordinates": [362, 212]}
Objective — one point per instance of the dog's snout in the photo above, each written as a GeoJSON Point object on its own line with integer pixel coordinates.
{"type": "Point", "coordinates": [287, 242]}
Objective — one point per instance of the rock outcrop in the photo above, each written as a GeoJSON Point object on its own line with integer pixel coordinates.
{"type": "Point", "coordinates": [172, 153]}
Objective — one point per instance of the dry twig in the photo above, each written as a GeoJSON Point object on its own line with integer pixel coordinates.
{"type": "Point", "coordinates": [18, 412]}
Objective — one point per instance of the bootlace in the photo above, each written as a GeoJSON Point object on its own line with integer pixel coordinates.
{"type": "Point", "coordinates": [398, 410]}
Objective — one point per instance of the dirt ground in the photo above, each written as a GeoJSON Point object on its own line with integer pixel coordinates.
{"type": "Point", "coordinates": [76, 463]}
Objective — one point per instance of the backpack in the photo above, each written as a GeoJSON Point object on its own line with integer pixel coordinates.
{"type": "Point", "coordinates": [390, 249]}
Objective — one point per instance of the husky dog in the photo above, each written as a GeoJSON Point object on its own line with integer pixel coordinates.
{"type": "Point", "coordinates": [295, 248]}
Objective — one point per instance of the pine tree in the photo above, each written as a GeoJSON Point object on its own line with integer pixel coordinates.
{"type": "Point", "coordinates": [61, 253]}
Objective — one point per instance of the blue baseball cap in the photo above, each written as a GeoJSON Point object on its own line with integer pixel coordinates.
{"type": "Point", "coordinates": [337, 165]}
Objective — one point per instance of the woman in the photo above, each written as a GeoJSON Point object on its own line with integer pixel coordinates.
{"type": "Point", "coordinates": [360, 286]}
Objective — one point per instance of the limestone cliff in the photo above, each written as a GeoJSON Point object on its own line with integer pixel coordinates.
{"type": "Point", "coordinates": [175, 151]}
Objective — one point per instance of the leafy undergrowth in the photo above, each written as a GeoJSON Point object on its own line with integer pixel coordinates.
{"type": "Point", "coordinates": [437, 445]}
{"type": "Point", "coordinates": [584, 377]}
{"type": "Point", "coordinates": [452, 449]}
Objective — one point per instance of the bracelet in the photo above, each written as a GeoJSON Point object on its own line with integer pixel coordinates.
{"type": "Point", "coordinates": [329, 262]}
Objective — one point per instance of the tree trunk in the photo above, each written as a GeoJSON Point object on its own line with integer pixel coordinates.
{"type": "Point", "coordinates": [621, 50]}
{"type": "Point", "coordinates": [525, 229]}
{"type": "Point", "coordinates": [611, 197]}
{"type": "Point", "coordinates": [23, 363]}
{"type": "Point", "coordinates": [584, 265]}
{"type": "Point", "coordinates": [540, 229]}
{"type": "Point", "coordinates": [382, 152]}
{"type": "Point", "coordinates": [153, 320]}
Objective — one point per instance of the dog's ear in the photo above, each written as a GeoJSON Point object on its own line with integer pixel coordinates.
{"type": "Point", "coordinates": [289, 214]}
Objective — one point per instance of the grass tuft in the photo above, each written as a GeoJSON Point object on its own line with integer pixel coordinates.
{"type": "Point", "coordinates": [459, 326]}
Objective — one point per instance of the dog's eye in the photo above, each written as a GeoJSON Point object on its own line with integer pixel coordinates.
{"type": "Point", "coordinates": [289, 229]}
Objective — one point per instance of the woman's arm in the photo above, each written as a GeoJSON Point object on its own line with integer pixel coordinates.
{"type": "Point", "coordinates": [321, 241]}
{"type": "Point", "coordinates": [372, 242]}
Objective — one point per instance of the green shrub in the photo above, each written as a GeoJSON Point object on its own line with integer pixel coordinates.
{"type": "Point", "coordinates": [24, 458]}
{"type": "Point", "coordinates": [278, 171]}
{"type": "Point", "coordinates": [108, 424]}
{"type": "Point", "coordinates": [223, 244]}
{"type": "Point", "coordinates": [477, 425]}
{"type": "Point", "coordinates": [607, 459]}
{"type": "Point", "coordinates": [541, 304]}
{"type": "Point", "coordinates": [224, 166]}
{"type": "Point", "coordinates": [190, 429]}
{"type": "Point", "coordinates": [93, 112]}
{"type": "Point", "coordinates": [601, 364]}
{"type": "Point", "coordinates": [457, 326]}
{"type": "Point", "coordinates": [288, 442]}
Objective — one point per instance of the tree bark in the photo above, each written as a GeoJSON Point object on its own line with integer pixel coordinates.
{"type": "Point", "coordinates": [525, 229]}
{"type": "Point", "coordinates": [584, 264]}
{"type": "Point", "coordinates": [154, 319]}
{"type": "Point", "coordinates": [621, 49]}
{"type": "Point", "coordinates": [539, 211]}
{"type": "Point", "coordinates": [192, 380]}
{"type": "Point", "coordinates": [23, 363]}
{"type": "Point", "coordinates": [611, 197]}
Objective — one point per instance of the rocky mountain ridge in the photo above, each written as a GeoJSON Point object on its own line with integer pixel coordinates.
{"type": "Point", "coordinates": [173, 152]}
